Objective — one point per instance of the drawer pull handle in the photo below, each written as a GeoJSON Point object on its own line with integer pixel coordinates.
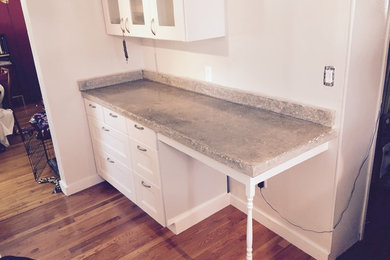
{"type": "Point", "coordinates": [141, 149]}
{"type": "Point", "coordinates": [152, 27]}
{"type": "Point", "coordinates": [90, 105]}
{"type": "Point", "coordinates": [145, 185]}
{"type": "Point", "coordinates": [127, 24]}
{"type": "Point", "coordinates": [109, 160]}
{"type": "Point", "coordinates": [113, 115]}
{"type": "Point", "coordinates": [105, 129]}
{"type": "Point", "coordinates": [139, 127]}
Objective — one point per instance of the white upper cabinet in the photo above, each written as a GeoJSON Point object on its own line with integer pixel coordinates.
{"type": "Point", "coordinates": [139, 17]}
{"type": "Point", "coordinates": [116, 17]}
{"type": "Point", "coordinates": [112, 16]}
{"type": "Point", "coordinates": [180, 20]}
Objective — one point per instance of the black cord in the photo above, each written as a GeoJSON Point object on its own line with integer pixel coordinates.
{"type": "Point", "coordinates": [349, 198]}
{"type": "Point", "coordinates": [125, 49]}
{"type": "Point", "coordinates": [289, 221]}
{"type": "Point", "coordinates": [359, 173]}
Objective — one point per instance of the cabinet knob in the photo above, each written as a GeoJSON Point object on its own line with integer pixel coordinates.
{"type": "Point", "coordinates": [146, 185]}
{"type": "Point", "coordinates": [141, 149]}
{"type": "Point", "coordinates": [139, 127]}
{"type": "Point", "coordinates": [113, 115]}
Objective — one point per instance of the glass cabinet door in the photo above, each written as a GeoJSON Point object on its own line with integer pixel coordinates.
{"type": "Point", "coordinates": [139, 18]}
{"type": "Point", "coordinates": [112, 16]}
{"type": "Point", "coordinates": [168, 20]}
{"type": "Point", "coordinates": [165, 13]}
{"type": "Point", "coordinates": [137, 12]}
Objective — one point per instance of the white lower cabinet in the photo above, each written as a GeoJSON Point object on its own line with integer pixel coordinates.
{"type": "Point", "coordinates": [111, 141]}
{"type": "Point", "coordinates": [170, 186]}
{"type": "Point", "coordinates": [117, 174]}
{"type": "Point", "coordinates": [111, 148]}
{"type": "Point", "coordinates": [146, 162]}
{"type": "Point", "coordinates": [146, 170]}
{"type": "Point", "coordinates": [149, 198]}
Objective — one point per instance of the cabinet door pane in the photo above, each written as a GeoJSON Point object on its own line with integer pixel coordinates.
{"type": "Point", "coordinates": [137, 12]}
{"type": "Point", "coordinates": [113, 9]}
{"type": "Point", "coordinates": [165, 13]}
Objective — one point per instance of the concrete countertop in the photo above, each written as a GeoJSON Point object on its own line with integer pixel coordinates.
{"type": "Point", "coordinates": [247, 139]}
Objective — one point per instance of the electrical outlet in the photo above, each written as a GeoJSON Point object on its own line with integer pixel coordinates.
{"type": "Point", "coordinates": [262, 185]}
{"type": "Point", "coordinates": [208, 73]}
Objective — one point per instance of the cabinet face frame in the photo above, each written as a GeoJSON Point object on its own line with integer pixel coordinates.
{"type": "Point", "coordinates": [111, 28]}
{"type": "Point", "coordinates": [151, 27]}
{"type": "Point", "coordinates": [139, 30]}
{"type": "Point", "coordinates": [175, 32]}
{"type": "Point", "coordinates": [149, 199]}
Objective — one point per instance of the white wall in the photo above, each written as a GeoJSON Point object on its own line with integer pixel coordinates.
{"type": "Point", "coordinates": [275, 47]}
{"type": "Point", "coordinates": [69, 43]}
{"type": "Point", "coordinates": [363, 94]}
{"type": "Point", "coordinates": [278, 48]}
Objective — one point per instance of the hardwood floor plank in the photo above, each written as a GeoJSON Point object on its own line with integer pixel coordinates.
{"type": "Point", "coordinates": [62, 207]}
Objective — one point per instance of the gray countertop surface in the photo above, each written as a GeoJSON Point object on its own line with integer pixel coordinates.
{"type": "Point", "coordinates": [247, 139]}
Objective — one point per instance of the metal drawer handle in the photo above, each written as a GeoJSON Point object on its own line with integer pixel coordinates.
{"type": "Point", "coordinates": [141, 149]}
{"type": "Point", "coordinates": [121, 25]}
{"type": "Point", "coordinates": [146, 185]}
{"type": "Point", "coordinates": [113, 115]}
{"type": "Point", "coordinates": [152, 27]}
{"type": "Point", "coordinates": [90, 105]}
{"type": "Point", "coordinates": [139, 127]}
{"type": "Point", "coordinates": [109, 160]}
{"type": "Point", "coordinates": [105, 129]}
{"type": "Point", "coordinates": [127, 24]}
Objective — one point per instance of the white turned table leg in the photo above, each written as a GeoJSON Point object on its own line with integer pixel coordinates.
{"type": "Point", "coordinates": [249, 226]}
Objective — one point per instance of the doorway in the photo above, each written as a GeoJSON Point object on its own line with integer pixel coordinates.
{"type": "Point", "coordinates": [375, 243]}
{"type": "Point", "coordinates": [23, 95]}
{"type": "Point", "coordinates": [16, 57]}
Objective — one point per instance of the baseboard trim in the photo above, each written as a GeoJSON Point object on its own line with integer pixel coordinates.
{"type": "Point", "coordinates": [69, 189]}
{"type": "Point", "coordinates": [283, 230]}
{"type": "Point", "coordinates": [189, 218]}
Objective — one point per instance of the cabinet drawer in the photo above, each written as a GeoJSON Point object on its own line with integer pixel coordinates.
{"type": "Point", "coordinates": [145, 162]}
{"type": "Point", "coordinates": [149, 198]}
{"type": "Point", "coordinates": [117, 174]}
{"type": "Point", "coordinates": [112, 141]}
{"type": "Point", "coordinates": [93, 110]}
{"type": "Point", "coordinates": [142, 134]}
{"type": "Point", "coordinates": [114, 120]}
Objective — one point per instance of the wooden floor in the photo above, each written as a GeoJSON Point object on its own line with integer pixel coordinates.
{"type": "Point", "coordinates": [100, 223]}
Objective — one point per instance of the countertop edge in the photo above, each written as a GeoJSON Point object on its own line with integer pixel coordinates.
{"type": "Point", "coordinates": [251, 169]}
{"type": "Point", "coordinates": [289, 155]}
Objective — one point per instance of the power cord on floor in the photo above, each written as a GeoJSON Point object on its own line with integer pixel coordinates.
{"type": "Point", "coordinates": [349, 198]}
